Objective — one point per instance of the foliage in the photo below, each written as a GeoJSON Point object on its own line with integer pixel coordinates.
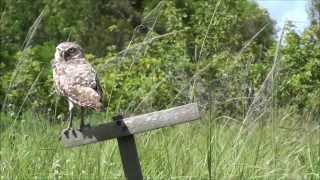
{"type": "Point", "coordinates": [202, 150]}
{"type": "Point", "coordinates": [182, 49]}
{"type": "Point", "coordinates": [151, 55]}
{"type": "Point", "coordinates": [30, 85]}
{"type": "Point", "coordinates": [300, 69]}
{"type": "Point", "coordinates": [97, 25]}
{"type": "Point", "coordinates": [315, 11]}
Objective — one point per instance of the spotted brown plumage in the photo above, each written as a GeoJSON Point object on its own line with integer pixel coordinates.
{"type": "Point", "coordinates": [75, 79]}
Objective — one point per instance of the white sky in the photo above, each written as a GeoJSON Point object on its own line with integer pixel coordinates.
{"type": "Point", "coordinates": [282, 10]}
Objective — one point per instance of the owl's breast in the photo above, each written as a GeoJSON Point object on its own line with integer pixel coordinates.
{"type": "Point", "coordinates": [59, 78]}
{"type": "Point", "coordinates": [81, 74]}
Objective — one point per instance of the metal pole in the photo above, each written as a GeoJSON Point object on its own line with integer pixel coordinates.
{"type": "Point", "coordinates": [128, 152]}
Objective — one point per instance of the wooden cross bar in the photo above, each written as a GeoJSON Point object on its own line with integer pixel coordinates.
{"type": "Point", "coordinates": [124, 129]}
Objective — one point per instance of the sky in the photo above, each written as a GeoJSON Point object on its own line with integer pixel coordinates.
{"type": "Point", "coordinates": [282, 10]}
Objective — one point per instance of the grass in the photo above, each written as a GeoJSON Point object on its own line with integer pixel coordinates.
{"type": "Point", "coordinates": [209, 148]}
{"type": "Point", "coordinates": [212, 148]}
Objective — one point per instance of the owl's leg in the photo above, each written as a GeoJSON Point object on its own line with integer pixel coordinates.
{"type": "Point", "coordinates": [82, 114]}
{"type": "Point", "coordinates": [70, 114]}
{"type": "Point", "coordinates": [82, 118]}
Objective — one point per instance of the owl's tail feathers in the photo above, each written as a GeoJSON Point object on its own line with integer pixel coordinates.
{"type": "Point", "coordinates": [100, 108]}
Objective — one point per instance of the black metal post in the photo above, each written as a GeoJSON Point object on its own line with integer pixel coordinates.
{"type": "Point", "coordinates": [128, 152]}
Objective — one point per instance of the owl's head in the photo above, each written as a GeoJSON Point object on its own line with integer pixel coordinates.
{"type": "Point", "coordinates": [67, 51]}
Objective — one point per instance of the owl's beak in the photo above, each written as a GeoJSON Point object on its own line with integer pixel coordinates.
{"type": "Point", "coordinates": [62, 54]}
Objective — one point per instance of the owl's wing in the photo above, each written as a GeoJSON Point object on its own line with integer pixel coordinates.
{"type": "Point", "coordinates": [98, 86]}
{"type": "Point", "coordinates": [85, 96]}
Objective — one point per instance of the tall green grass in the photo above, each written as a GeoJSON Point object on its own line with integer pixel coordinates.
{"type": "Point", "coordinates": [209, 148]}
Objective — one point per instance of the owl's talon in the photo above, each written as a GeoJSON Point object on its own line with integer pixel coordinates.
{"type": "Point", "coordinates": [74, 133]}
{"type": "Point", "coordinates": [66, 132]}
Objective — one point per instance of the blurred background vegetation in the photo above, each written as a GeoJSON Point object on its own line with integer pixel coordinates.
{"type": "Point", "coordinates": [226, 55]}
{"type": "Point", "coordinates": [151, 55]}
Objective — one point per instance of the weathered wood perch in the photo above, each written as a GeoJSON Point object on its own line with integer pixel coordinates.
{"type": "Point", "coordinates": [124, 130]}
{"type": "Point", "coordinates": [131, 125]}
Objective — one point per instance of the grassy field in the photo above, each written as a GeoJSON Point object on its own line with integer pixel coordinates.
{"type": "Point", "coordinates": [287, 148]}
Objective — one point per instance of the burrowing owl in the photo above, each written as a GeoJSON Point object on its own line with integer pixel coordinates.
{"type": "Point", "coordinates": [75, 79]}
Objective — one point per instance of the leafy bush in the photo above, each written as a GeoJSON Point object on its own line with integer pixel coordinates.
{"type": "Point", "coordinates": [188, 54]}
{"type": "Point", "coordinates": [300, 65]}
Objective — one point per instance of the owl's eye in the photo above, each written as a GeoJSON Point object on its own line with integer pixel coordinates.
{"type": "Point", "coordinates": [71, 50]}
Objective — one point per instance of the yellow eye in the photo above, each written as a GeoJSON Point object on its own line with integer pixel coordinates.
{"type": "Point", "coordinates": [71, 50]}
